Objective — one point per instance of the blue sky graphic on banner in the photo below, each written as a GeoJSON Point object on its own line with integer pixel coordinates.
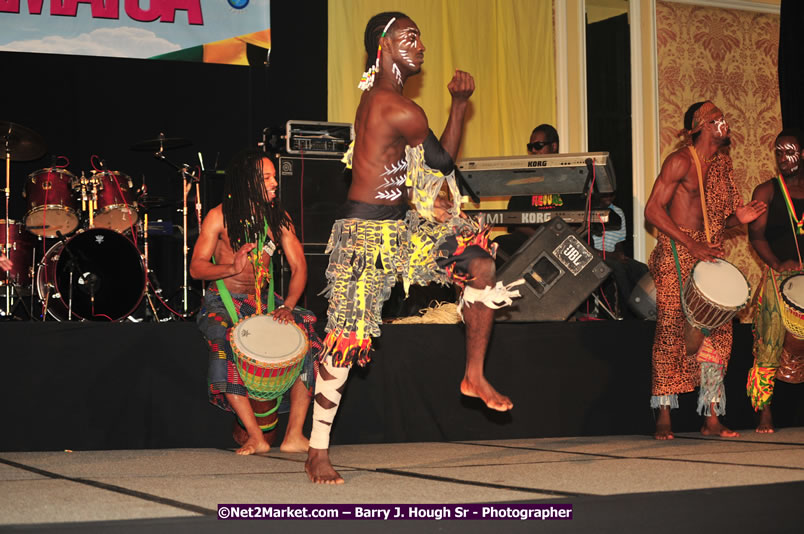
{"type": "Point", "coordinates": [215, 31]}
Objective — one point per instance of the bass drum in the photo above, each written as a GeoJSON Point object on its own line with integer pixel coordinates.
{"type": "Point", "coordinates": [104, 270]}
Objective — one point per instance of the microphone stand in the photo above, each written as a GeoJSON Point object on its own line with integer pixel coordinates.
{"type": "Point", "coordinates": [588, 192]}
{"type": "Point", "coordinates": [73, 262]}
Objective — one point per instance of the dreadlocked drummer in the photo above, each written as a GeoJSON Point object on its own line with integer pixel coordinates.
{"type": "Point", "coordinates": [238, 232]}
{"type": "Point", "coordinates": [396, 158]}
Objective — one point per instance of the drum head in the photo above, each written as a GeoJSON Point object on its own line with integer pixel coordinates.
{"type": "Point", "coordinates": [793, 291]}
{"type": "Point", "coordinates": [261, 338]}
{"type": "Point", "coordinates": [108, 278]}
{"type": "Point", "coordinates": [721, 282]}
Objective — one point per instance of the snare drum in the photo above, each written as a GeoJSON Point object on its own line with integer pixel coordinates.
{"type": "Point", "coordinates": [97, 274]}
{"type": "Point", "coordinates": [715, 292]}
{"type": "Point", "coordinates": [792, 291]}
{"type": "Point", "coordinates": [52, 206]}
{"type": "Point", "coordinates": [20, 252]}
{"type": "Point", "coordinates": [117, 206]}
{"type": "Point", "coordinates": [269, 354]}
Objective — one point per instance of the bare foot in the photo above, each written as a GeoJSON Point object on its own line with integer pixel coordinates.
{"type": "Point", "coordinates": [319, 468]}
{"type": "Point", "coordinates": [663, 428]}
{"type": "Point", "coordinates": [765, 421]}
{"type": "Point", "coordinates": [484, 391]}
{"type": "Point", "coordinates": [663, 432]}
{"type": "Point", "coordinates": [254, 445]}
{"type": "Point", "coordinates": [294, 444]}
{"type": "Point", "coordinates": [239, 434]}
{"type": "Point", "coordinates": [713, 427]}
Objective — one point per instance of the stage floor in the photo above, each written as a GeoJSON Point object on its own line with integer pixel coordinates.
{"type": "Point", "coordinates": [620, 483]}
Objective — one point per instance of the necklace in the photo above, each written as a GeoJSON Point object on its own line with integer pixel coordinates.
{"type": "Point", "coordinates": [788, 200]}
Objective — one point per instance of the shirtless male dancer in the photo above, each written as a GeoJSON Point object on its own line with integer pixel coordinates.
{"type": "Point", "coordinates": [396, 160]}
{"type": "Point", "coordinates": [674, 208]}
{"type": "Point", "coordinates": [230, 233]}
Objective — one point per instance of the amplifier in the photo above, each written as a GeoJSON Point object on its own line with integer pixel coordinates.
{"type": "Point", "coordinates": [318, 138]}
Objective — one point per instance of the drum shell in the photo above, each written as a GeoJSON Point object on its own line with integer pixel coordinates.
{"type": "Point", "coordinates": [51, 202]}
{"type": "Point", "coordinates": [264, 380]}
{"type": "Point", "coordinates": [20, 252]}
{"type": "Point", "coordinates": [107, 254]}
{"type": "Point", "coordinates": [792, 314]}
{"type": "Point", "coordinates": [702, 312]}
{"type": "Point", "coordinates": [117, 206]}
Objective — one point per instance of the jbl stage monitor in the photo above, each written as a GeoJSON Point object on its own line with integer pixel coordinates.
{"type": "Point", "coordinates": [560, 272]}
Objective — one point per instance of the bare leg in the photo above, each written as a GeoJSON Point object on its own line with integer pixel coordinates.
{"type": "Point", "coordinates": [256, 441]}
{"type": "Point", "coordinates": [713, 427]}
{"type": "Point", "coordinates": [328, 390]}
{"type": "Point", "coordinates": [663, 428]}
{"type": "Point", "coordinates": [479, 319]}
{"type": "Point", "coordinates": [299, 402]}
{"type": "Point", "coordinates": [765, 421]}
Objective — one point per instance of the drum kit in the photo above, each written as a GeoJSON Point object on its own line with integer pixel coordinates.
{"type": "Point", "coordinates": [81, 249]}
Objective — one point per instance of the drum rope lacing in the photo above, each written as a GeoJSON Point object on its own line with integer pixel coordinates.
{"type": "Point", "coordinates": [706, 332]}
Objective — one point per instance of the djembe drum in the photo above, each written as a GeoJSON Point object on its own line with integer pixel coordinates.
{"type": "Point", "coordinates": [269, 356]}
{"type": "Point", "coordinates": [715, 292]}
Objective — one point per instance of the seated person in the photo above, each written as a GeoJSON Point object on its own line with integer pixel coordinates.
{"type": "Point", "coordinates": [543, 140]}
{"type": "Point", "coordinates": [609, 241]}
{"type": "Point", "coordinates": [238, 256]}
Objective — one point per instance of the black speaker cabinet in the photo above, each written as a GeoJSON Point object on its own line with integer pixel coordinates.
{"type": "Point", "coordinates": [560, 272]}
{"type": "Point", "coordinates": [312, 190]}
{"type": "Point", "coordinates": [317, 263]}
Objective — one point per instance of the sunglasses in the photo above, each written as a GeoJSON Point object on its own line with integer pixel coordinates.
{"type": "Point", "coordinates": [537, 145]}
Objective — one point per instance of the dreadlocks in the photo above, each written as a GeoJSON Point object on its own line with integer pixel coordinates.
{"type": "Point", "coordinates": [245, 209]}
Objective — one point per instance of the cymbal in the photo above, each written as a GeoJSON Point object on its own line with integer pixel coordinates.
{"type": "Point", "coordinates": [21, 143]}
{"type": "Point", "coordinates": [165, 143]}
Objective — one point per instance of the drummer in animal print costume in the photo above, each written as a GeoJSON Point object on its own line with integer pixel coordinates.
{"type": "Point", "coordinates": [778, 238]}
{"type": "Point", "coordinates": [696, 174]}
{"type": "Point", "coordinates": [234, 249]}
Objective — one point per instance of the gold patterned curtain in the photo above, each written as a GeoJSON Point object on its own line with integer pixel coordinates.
{"type": "Point", "coordinates": [728, 56]}
{"type": "Point", "coordinates": [507, 45]}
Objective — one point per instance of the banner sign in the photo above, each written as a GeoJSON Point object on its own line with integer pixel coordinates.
{"type": "Point", "coordinates": [213, 31]}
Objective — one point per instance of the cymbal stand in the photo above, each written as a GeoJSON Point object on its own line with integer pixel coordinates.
{"type": "Point", "coordinates": [7, 237]}
{"type": "Point", "coordinates": [188, 179]}
{"type": "Point", "coordinates": [198, 216]}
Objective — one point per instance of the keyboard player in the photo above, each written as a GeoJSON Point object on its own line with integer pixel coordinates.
{"type": "Point", "coordinates": [543, 140]}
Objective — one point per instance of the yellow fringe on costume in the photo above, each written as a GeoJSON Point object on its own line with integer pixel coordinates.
{"type": "Point", "coordinates": [426, 184]}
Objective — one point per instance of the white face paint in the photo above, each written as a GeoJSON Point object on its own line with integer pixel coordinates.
{"type": "Point", "coordinates": [408, 44]}
{"type": "Point", "coordinates": [393, 180]}
{"type": "Point", "coordinates": [721, 126]}
{"type": "Point", "coordinates": [788, 157]}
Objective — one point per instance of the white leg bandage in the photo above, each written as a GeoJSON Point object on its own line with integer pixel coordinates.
{"type": "Point", "coordinates": [328, 389]}
{"type": "Point", "coordinates": [493, 297]}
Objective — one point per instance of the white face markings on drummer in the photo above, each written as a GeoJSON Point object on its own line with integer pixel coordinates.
{"type": "Point", "coordinates": [788, 156]}
{"type": "Point", "coordinates": [393, 179]}
{"type": "Point", "coordinates": [721, 125]}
